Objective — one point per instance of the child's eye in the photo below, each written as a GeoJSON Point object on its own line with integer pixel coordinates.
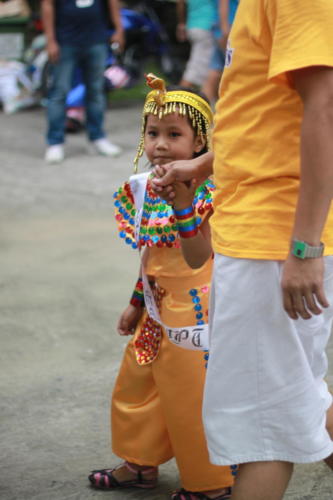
{"type": "Point", "coordinates": [175, 134]}
{"type": "Point", "coordinates": [152, 133]}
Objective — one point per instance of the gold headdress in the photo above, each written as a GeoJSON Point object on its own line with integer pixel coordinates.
{"type": "Point", "coordinates": [162, 102]}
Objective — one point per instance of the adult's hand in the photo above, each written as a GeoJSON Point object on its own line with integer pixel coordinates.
{"type": "Point", "coordinates": [53, 51]}
{"type": "Point", "coordinates": [118, 38]}
{"type": "Point", "coordinates": [302, 287]}
{"type": "Point", "coordinates": [181, 32]}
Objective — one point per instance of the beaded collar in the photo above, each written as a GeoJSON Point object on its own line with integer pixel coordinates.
{"type": "Point", "coordinates": [158, 223]}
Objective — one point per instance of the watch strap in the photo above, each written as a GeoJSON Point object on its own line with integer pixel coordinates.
{"type": "Point", "coordinates": [303, 250]}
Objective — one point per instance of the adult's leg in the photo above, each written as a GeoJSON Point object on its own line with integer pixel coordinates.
{"type": "Point", "coordinates": [329, 461]}
{"type": "Point", "coordinates": [93, 65]}
{"type": "Point", "coordinates": [61, 81]}
{"type": "Point", "coordinates": [262, 481]}
{"type": "Point", "coordinates": [329, 426]}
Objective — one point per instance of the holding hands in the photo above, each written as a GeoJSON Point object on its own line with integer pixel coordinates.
{"type": "Point", "coordinates": [178, 193]}
{"type": "Point", "coordinates": [195, 170]}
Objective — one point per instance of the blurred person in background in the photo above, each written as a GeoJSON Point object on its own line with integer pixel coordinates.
{"type": "Point", "coordinates": [166, 11]}
{"type": "Point", "coordinates": [225, 13]}
{"type": "Point", "coordinates": [77, 35]}
{"type": "Point", "coordinates": [195, 22]}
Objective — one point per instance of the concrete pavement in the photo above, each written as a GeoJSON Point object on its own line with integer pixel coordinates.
{"type": "Point", "coordinates": [64, 277]}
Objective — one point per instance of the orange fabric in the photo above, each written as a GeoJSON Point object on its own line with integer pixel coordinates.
{"type": "Point", "coordinates": [256, 138]}
{"type": "Point", "coordinates": [156, 408]}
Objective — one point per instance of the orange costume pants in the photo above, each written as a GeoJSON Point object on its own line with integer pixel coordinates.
{"type": "Point", "coordinates": [156, 415]}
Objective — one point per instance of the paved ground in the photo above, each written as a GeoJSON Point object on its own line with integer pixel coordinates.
{"type": "Point", "coordinates": [64, 277]}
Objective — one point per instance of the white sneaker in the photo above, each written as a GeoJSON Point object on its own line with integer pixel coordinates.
{"type": "Point", "coordinates": [104, 147]}
{"type": "Point", "coordinates": [55, 154]}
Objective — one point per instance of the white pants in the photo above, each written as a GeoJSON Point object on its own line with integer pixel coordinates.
{"type": "Point", "coordinates": [265, 396]}
{"type": "Point", "coordinates": [202, 46]}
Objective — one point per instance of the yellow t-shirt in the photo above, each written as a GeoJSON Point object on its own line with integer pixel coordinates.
{"type": "Point", "coordinates": [256, 138]}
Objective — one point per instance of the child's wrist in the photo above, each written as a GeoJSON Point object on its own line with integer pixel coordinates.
{"type": "Point", "coordinates": [181, 204]}
{"type": "Point", "coordinates": [138, 299]}
{"type": "Point", "coordinates": [186, 221]}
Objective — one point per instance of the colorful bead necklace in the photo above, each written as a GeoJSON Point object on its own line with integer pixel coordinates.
{"type": "Point", "coordinates": [158, 223]}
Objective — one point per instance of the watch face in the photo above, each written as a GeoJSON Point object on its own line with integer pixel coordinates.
{"type": "Point", "coordinates": [299, 249]}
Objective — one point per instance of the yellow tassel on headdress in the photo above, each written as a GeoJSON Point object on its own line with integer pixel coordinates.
{"type": "Point", "coordinates": [161, 102]}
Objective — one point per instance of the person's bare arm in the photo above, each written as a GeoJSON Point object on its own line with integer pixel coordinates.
{"type": "Point", "coordinates": [48, 19]}
{"type": "Point", "coordinates": [197, 170]}
{"type": "Point", "coordinates": [118, 35]}
{"type": "Point", "coordinates": [302, 280]}
{"type": "Point", "coordinates": [181, 20]}
{"type": "Point", "coordinates": [224, 21]}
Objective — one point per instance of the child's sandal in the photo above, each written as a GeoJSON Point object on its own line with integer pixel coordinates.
{"type": "Point", "coordinates": [104, 479]}
{"type": "Point", "coordinates": [197, 495]}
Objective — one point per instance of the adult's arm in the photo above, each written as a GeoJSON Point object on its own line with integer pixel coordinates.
{"type": "Point", "coordinates": [118, 35]}
{"type": "Point", "coordinates": [224, 21]}
{"type": "Point", "coordinates": [302, 280]}
{"type": "Point", "coordinates": [48, 19]}
{"type": "Point", "coordinates": [181, 20]}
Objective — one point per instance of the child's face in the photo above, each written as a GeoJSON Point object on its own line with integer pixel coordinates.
{"type": "Point", "coordinates": [170, 138]}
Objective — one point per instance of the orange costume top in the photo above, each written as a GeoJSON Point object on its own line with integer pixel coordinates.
{"type": "Point", "coordinates": [166, 264]}
{"type": "Point", "coordinates": [256, 139]}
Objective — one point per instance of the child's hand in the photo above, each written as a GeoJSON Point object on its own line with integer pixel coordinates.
{"type": "Point", "coordinates": [183, 194]}
{"type": "Point", "coordinates": [165, 192]}
{"type": "Point", "coordinates": [129, 320]}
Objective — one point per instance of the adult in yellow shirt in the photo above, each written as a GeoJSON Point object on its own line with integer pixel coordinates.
{"type": "Point", "coordinates": [266, 403]}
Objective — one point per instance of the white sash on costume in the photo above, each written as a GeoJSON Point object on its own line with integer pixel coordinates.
{"type": "Point", "coordinates": [188, 337]}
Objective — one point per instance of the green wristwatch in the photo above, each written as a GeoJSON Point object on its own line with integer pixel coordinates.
{"type": "Point", "coordinates": [303, 250]}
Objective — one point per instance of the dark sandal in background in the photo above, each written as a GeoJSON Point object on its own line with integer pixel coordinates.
{"type": "Point", "coordinates": [197, 495]}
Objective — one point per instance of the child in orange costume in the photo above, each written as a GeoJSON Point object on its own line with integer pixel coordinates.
{"type": "Point", "coordinates": [157, 399]}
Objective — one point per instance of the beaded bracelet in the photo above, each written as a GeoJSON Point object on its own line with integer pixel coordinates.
{"type": "Point", "coordinates": [186, 221]}
{"type": "Point", "coordinates": [138, 299]}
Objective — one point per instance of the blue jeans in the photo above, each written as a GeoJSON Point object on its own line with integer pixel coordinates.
{"type": "Point", "coordinates": [92, 63]}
